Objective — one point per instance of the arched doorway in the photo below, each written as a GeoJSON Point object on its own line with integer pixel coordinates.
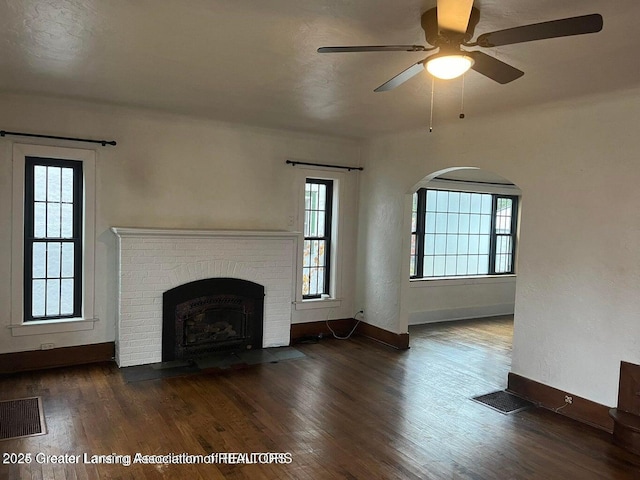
{"type": "Point", "coordinates": [460, 253]}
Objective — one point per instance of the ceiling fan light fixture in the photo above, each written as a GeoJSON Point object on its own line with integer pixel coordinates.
{"type": "Point", "coordinates": [448, 66]}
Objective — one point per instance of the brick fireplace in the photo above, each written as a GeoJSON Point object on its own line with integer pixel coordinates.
{"type": "Point", "coordinates": [154, 261]}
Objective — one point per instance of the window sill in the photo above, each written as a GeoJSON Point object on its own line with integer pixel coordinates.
{"type": "Point", "coordinates": [318, 303]}
{"type": "Point", "coordinates": [455, 281]}
{"type": "Point", "coordinates": [44, 327]}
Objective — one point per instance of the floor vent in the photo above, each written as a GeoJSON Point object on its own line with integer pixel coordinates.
{"type": "Point", "coordinates": [21, 418]}
{"type": "Point", "coordinates": [504, 402]}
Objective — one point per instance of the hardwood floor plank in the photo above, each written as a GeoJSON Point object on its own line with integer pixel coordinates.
{"type": "Point", "coordinates": [348, 410]}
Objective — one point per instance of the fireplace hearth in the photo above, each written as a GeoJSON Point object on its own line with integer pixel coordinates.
{"type": "Point", "coordinates": [211, 316]}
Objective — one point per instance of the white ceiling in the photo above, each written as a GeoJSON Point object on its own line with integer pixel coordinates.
{"type": "Point", "coordinates": [255, 61]}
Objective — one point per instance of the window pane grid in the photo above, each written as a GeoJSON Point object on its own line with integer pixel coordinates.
{"type": "Point", "coordinates": [53, 278]}
{"type": "Point", "coordinates": [52, 238]}
{"type": "Point", "coordinates": [53, 202]}
{"type": "Point", "coordinates": [317, 233]}
{"type": "Point", "coordinates": [503, 254]}
{"type": "Point", "coordinates": [464, 233]}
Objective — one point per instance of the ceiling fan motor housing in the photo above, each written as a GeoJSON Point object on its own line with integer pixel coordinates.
{"type": "Point", "coordinates": [444, 38]}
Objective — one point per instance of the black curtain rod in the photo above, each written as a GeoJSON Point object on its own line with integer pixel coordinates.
{"type": "Point", "coordinates": [294, 163]}
{"type": "Point", "coordinates": [104, 143]}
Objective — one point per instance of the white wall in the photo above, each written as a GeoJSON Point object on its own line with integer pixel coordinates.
{"type": "Point", "coordinates": [577, 299]}
{"type": "Point", "coordinates": [455, 299]}
{"type": "Point", "coordinates": [174, 172]}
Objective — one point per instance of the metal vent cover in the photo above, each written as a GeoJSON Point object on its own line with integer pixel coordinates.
{"type": "Point", "coordinates": [21, 418]}
{"type": "Point", "coordinates": [504, 402]}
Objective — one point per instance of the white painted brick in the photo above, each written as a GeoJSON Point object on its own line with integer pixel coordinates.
{"type": "Point", "coordinates": [141, 301]}
{"type": "Point", "coordinates": [150, 266]}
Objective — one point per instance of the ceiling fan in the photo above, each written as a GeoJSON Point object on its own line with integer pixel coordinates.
{"type": "Point", "coordinates": [451, 25]}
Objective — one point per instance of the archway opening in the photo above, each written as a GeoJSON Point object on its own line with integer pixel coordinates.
{"type": "Point", "coordinates": [461, 260]}
{"type": "Point", "coordinates": [461, 254]}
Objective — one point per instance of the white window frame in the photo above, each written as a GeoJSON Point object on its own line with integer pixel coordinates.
{"type": "Point", "coordinates": [86, 321]}
{"type": "Point", "coordinates": [335, 284]}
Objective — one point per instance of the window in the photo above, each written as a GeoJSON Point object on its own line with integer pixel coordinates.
{"type": "Point", "coordinates": [462, 233]}
{"type": "Point", "coordinates": [318, 200]}
{"type": "Point", "coordinates": [52, 239]}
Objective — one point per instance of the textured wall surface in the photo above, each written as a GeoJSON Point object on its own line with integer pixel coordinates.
{"type": "Point", "coordinates": [170, 171]}
{"type": "Point", "coordinates": [577, 304]}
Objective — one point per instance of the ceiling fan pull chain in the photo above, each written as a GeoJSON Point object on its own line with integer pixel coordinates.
{"type": "Point", "coordinates": [433, 85]}
{"type": "Point", "coordinates": [462, 98]}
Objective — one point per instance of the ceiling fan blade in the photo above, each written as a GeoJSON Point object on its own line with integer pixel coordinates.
{"type": "Point", "coordinates": [493, 68]}
{"type": "Point", "coordinates": [539, 31]}
{"type": "Point", "coordinates": [453, 15]}
{"type": "Point", "coordinates": [375, 48]}
{"type": "Point", "coordinates": [402, 77]}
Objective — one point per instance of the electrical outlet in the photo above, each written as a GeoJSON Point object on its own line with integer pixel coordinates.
{"type": "Point", "coordinates": [568, 399]}
{"type": "Point", "coordinates": [47, 346]}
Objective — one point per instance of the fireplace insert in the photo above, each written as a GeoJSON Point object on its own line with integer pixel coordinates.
{"type": "Point", "coordinates": [210, 316]}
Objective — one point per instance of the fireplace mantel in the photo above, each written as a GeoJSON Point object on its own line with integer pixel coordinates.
{"type": "Point", "coordinates": [154, 260]}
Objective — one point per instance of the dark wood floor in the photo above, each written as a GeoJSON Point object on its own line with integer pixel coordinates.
{"type": "Point", "coordinates": [348, 410]}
